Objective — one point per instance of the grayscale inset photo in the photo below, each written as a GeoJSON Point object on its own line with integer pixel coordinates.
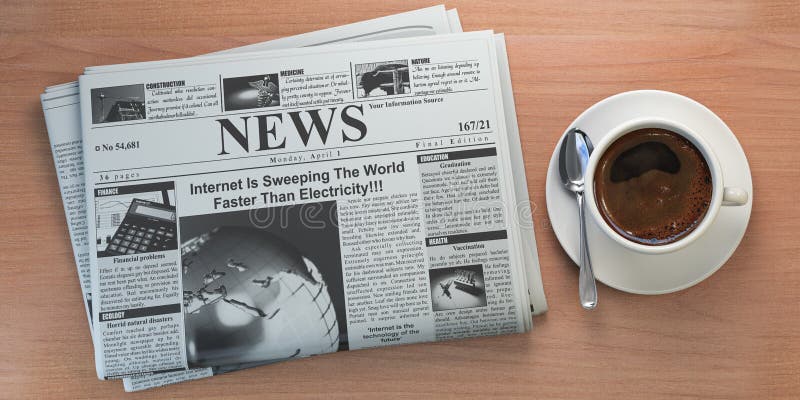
{"type": "Point", "coordinates": [255, 91]}
{"type": "Point", "coordinates": [135, 219]}
{"type": "Point", "coordinates": [118, 103]}
{"type": "Point", "coordinates": [262, 284]}
{"type": "Point", "coordinates": [457, 287]}
{"type": "Point", "coordinates": [383, 78]}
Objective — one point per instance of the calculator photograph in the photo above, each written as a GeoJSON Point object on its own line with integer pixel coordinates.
{"type": "Point", "coordinates": [148, 226]}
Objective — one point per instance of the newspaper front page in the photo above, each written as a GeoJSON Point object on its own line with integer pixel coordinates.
{"type": "Point", "coordinates": [62, 114]}
{"type": "Point", "coordinates": [293, 203]}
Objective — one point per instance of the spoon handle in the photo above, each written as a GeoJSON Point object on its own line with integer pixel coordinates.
{"type": "Point", "coordinates": [586, 285]}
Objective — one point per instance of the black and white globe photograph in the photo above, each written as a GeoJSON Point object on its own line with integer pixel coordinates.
{"type": "Point", "coordinates": [262, 284]}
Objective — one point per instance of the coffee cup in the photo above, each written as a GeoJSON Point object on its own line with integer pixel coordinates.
{"type": "Point", "coordinates": [721, 195]}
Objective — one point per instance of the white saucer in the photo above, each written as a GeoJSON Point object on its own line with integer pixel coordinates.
{"type": "Point", "coordinates": [634, 272]}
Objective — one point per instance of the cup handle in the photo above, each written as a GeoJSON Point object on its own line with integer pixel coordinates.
{"type": "Point", "coordinates": [734, 196]}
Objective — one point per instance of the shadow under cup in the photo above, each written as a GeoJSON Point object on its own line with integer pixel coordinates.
{"type": "Point", "coordinates": [653, 185]}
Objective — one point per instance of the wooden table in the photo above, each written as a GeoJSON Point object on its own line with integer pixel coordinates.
{"type": "Point", "coordinates": [736, 335]}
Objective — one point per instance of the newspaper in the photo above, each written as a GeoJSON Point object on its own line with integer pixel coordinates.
{"type": "Point", "coordinates": [62, 114]}
{"type": "Point", "coordinates": [59, 123]}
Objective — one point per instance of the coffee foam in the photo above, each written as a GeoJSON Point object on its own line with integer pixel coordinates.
{"type": "Point", "coordinates": [653, 186]}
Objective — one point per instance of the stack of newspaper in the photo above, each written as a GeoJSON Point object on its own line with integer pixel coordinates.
{"type": "Point", "coordinates": [354, 187]}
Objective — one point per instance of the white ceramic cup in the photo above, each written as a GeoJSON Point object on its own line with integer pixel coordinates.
{"type": "Point", "coordinates": [721, 195]}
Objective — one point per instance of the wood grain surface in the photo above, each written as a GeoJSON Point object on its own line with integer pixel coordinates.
{"type": "Point", "coordinates": [735, 335]}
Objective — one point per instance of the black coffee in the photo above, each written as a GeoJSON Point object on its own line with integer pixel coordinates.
{"type": "Point", "coordinates": [652, 186]}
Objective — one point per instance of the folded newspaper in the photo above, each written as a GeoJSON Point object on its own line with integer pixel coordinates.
{"type": "Point", "coordinates": [255, 206]}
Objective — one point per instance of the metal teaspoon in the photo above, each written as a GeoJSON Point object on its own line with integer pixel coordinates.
{"type": "Point", "coordinates": [572, 161]}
